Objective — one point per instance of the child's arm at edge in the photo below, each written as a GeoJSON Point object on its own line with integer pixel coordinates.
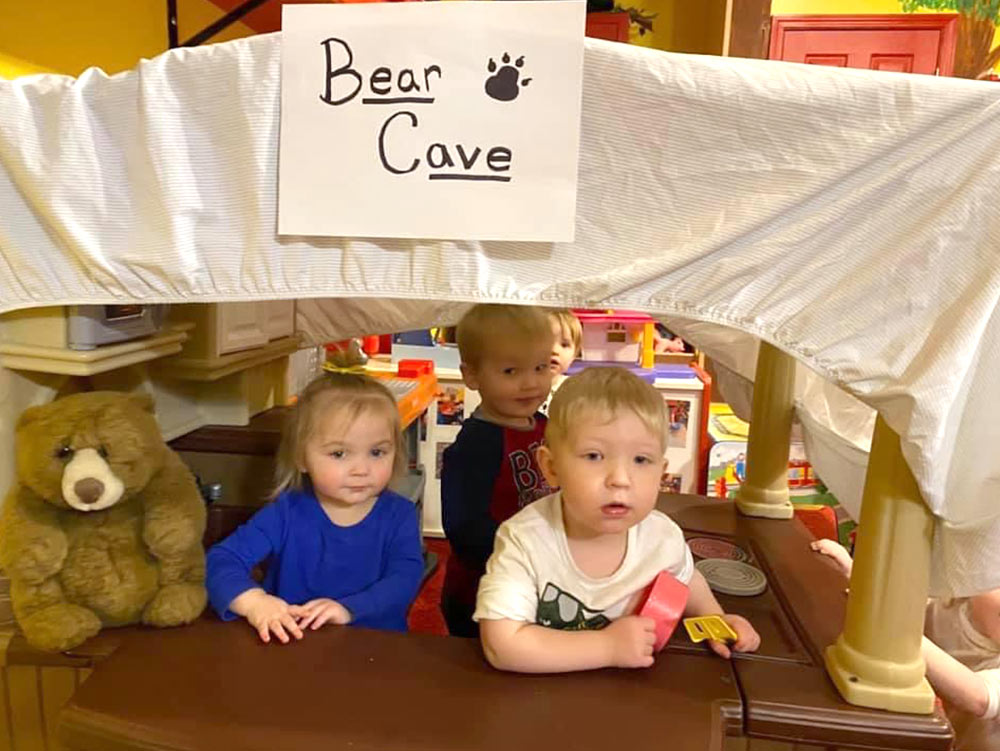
{"type": "Point", "coordinates": [701, 601]}
{"type": "Point", "coordinates": [523, 647]}
{"type": "Point", "coordinates": [957, 684]}
{"type": "Point", "coordinates": [837, 554]}
{"type": "Point", "coordinates": [953, 681]}
{"type": "Point", "coordinates": [231, 589]}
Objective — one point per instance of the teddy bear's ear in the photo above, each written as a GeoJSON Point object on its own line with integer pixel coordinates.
{"type": "Point", "coordinates": [30, 415]}
{"type": "Point", "coordinates": [143, 401]}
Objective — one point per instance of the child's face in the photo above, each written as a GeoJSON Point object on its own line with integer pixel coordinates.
{"type": "Point", "coordinates": [563, 351]}
{"type": "Point", "coordinates": [349, 463]}
{"type": "Point", "coordinates": [609, 472]}
{"type": "Point", "coordinates": [513, 378]}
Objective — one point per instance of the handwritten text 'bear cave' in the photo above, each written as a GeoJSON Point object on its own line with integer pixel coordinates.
{"type": "Point", "coordinates": [411, 88]}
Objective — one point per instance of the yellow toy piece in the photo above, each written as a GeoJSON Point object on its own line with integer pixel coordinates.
{"type": "Point", "coordinates": [709, 627]}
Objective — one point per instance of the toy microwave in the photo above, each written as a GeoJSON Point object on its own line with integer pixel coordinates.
{"type": "Point", "coordinates": [90, 326]}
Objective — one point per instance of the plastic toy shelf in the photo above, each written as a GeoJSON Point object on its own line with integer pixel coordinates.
{"type": "Point", "coordinates": [219, 367]}
{"type": "Point", "coordinates": [90, 362]}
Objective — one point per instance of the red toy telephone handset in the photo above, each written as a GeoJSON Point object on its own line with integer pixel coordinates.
{"type": "Point", "coordinates": [664, 602]}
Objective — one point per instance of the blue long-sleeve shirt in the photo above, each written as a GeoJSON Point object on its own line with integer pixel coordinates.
{"type": "Point", "coordinates": [372, 568]}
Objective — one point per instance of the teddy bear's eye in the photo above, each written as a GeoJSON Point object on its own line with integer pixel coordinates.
{"type": "Point", "coordinates": [103, 452]}
{"type": "Point", "coordinates": [64, 452]}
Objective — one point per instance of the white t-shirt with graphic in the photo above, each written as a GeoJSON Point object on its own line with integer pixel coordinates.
{"type": "Point", "coordinates": [947, 624]}
{"type": "Point", "coordinates": [531, 575]}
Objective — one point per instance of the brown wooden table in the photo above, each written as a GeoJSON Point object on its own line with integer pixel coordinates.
{"type": "Point", "coordinates": [214, 686]}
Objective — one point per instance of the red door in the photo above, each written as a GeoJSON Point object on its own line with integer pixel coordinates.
{"type": "Point", "coordinates": [917, 43]}
{"type": "Point", "coordinates": [611, 25]}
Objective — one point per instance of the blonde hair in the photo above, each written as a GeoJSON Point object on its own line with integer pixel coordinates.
{"type": "Point", "coordinates": [569, 322]}
{"type": "Point", "coordinates": [351, 395]}
{"type": "Point", "coordinates": [606, 390]}
{"type": "Point", "coordinates": [489, 321]}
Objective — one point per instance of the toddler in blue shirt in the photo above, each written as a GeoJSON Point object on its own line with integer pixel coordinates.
{"type": "Point", "coordinates": [339, 547]}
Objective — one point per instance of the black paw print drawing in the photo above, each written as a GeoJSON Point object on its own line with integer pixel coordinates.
{"type": "Point", "coordinates": [505, 84]}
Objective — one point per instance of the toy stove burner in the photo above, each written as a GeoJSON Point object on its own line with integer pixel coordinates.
{"type": "Point", "coordinates": [710, 547]}
{"type": "Point", "coordinates": [732, 577]}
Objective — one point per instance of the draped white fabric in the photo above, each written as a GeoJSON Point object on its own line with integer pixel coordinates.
{"type": "Point", "coordinates": [848, 217]}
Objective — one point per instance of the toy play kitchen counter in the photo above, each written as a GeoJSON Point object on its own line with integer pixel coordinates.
{"type": "Point", "coordinates": [214, 686]}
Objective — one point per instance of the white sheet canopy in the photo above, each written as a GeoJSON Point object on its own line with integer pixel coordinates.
{"type": "Point", "coordinates": [848, 217]}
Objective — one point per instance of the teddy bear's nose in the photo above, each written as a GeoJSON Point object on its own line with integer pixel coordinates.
{"type": "Point", "coordinates": [88, 490]}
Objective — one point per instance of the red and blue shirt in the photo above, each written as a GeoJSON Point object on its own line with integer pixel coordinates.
{"type": "Point", "coordinates": [487, 475]}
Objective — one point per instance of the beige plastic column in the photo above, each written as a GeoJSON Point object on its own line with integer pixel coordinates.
{"type": "Point", "coordinates": [876, 661]}
{"type": "Point", "coordinates": [765, 490]}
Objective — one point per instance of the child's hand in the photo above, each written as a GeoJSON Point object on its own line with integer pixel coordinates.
{"type": "Point", "coordinates": [268, 614]}
{"type": "Point", "coordinates": [631, 640]}
{"type": "Point", "coordinates": [322, 610]}
{"type": "Point", "coordinates": [836, 553]}
{"type": "Point", "coordinates": [747, 638]}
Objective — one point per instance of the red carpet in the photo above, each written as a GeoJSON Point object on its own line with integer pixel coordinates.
{"type": "Point", "coordinates": [425, 615]}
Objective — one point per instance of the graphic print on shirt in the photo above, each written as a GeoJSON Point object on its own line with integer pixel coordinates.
{"type": "Point", "coordinates": [561, 610]}
{"type": "Point", "coordinates": [528, 479]}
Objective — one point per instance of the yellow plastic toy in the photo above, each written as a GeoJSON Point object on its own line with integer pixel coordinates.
{"type": "Point", "coordinates": [709, 627]}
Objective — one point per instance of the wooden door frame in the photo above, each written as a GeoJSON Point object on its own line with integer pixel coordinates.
{"type": "Point", "coordinates": [748, 28]}
{"type": "Point", "coordinates": [946, 23]}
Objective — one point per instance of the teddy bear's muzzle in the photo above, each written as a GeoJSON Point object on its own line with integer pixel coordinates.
{"type": "Point", "coordinates": [88, 482]}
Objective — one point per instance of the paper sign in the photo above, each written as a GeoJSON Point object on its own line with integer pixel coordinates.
{"type": "Point", "coordinates": [457, 120]}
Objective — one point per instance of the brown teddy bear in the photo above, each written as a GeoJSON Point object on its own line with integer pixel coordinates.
{"type": "Point", "coordinates": [103, 526]}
